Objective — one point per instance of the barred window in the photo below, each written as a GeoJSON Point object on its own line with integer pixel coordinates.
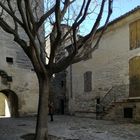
{"type": "Point", "coordinates": [87, 81]}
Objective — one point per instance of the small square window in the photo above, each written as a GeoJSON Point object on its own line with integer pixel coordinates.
{"type": "Point", "coordinates": [128, 112]}
{"type": "Point", "coordinates": [9, 78]}
{"type": "Point", "coordinates": [62, 83]}
{"type": "Point", "coordinates": [9, 60]}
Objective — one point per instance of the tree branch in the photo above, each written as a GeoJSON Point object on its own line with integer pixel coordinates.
{"type": "Point", "coordinates": [56, 33]}
{"type": "Point", "coordinates": [96, 24]}
{"type": "Point", "coordinates": [90, 50]}
{"type": "Point", "coordinates": [44, 17]}
{"type": "Point", "coordinates": [9, 30]}
{"type": "Point", "coordinates": [63, 63]}
{"type": "Point", "coordinates": [11, 14]}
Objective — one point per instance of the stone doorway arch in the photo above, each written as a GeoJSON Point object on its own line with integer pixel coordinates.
{"type": "Point", "coordinates": [10, 102]}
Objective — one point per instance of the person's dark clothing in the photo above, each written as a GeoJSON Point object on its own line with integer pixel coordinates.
{"type": "Point", "coordinates": [99, 110]}
{"type": "Point", "coordinates": [51, 111]}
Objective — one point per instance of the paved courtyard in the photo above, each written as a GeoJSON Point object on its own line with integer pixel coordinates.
{"type": "Point", "coordinates": [71, 128]}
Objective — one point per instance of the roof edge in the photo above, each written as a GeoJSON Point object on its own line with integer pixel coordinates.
{"type": "Point", "coordinates": [120, 17]}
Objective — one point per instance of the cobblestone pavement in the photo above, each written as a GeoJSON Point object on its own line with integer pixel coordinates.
{"type": "Point", "coordinates": [71, 128]}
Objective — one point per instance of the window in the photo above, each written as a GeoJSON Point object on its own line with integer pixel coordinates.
{"type": "Point", "coordinates": [134, 77]}
{"type": "Point", "coordinates": [62, 84]}
{"type": "Point", "coordinates": [9, 78]}
{"type": "Point", "coordinates": [87, 81]}
{"type": "Point", "coordinates": [134, 33]}
{"type": "Point", "coordinates": [128, 112]}
{"type": "Point", "coordinates": [9, 60]}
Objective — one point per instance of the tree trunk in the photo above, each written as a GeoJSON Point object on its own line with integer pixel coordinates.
{"type": "Point", "coordinates": [42, 117]}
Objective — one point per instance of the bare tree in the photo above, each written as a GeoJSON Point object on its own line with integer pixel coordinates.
{"type": "Point", "coordinates": [28, 17]}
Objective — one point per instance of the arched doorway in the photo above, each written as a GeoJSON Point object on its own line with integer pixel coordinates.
{"type": "Point", "coordinates": [8, 104]}
{"type": "Point", "coordinates": [134, 77]}
{"type": "Point", "coordinates": [4, 106]}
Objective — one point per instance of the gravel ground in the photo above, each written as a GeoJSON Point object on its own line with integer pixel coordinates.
{"type": "Point", "coordinates": [71, 128]}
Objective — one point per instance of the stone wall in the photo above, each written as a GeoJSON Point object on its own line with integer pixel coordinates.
{"type": "Point", "coordinates": [17, 65]}
{"type": "Point", "coordinates": [24, 81]}
{"type": "Point", "coordinates": [118, 113]}
{"type": "Point", "coordinates": [109, 66]}
{"type": "Point", "coordinates": [58, 93]}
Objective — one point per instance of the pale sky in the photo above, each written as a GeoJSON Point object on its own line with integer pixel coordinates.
{"type": "Point", "coordinates": [120, 7]}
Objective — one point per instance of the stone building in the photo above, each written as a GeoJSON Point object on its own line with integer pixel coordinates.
{"type": "Point", "coordinates": [18, 81]}
{"type": "Point", "coordinates": [58, 92]}
{"type": "Point", "coordinates": [111, 75]}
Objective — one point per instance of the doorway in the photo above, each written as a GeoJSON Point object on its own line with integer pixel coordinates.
{"type": "Point", "coordinates": [8, 104]}
{"type": "Point", "coordinates": [4, 106]}
{"type": "Point", "coordinates": [62, 106]}
{"type": "Point", "coordinates": [128, 112]}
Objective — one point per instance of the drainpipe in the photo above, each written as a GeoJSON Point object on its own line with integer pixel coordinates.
{"type": "Point", "coordinates": [71, 92]}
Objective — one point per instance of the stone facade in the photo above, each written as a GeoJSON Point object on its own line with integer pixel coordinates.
{"type": "Point", "coordinates": [18, 81]}
{"type": "Point", "coordinates": [58, 91]}
{"type": "Point", "coordinates": [109, 65]}
{"type": "Point", "coordinates": [23, 81]}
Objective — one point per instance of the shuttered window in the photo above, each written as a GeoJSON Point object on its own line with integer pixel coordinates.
{"type": "Point", "coordinates": [134, 29]}
{"type": "Point", "coordinates": [134, 77]}
{"type": "Point", "coordinates": [87, 81]}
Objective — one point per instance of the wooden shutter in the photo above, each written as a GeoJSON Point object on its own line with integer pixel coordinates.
{"type": "Point", "coordinates": [88, 81]}
{"type": "Point", "coordinates": [133, 35]}
{"type": "Point", "coordinates": [134, 77]}
{"type": "Point", "coordinates": [138, 33]}
{"type": "Point", "coordinates": [134, 31]}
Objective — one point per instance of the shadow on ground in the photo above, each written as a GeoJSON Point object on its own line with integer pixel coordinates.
{"type": "Point", "coordinates": [28, 137]}
{"type": "Point", "coordinates": [31, 136]}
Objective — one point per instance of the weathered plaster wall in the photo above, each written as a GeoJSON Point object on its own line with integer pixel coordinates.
{"type": "Point", "coordinates": [109, 66]}
{"type": "Point", "coordinates": [2, 104]}
{"type": "Point", "coordinates": [24, 81]}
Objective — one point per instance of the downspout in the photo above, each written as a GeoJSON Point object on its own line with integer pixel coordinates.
{"type": "Point", "coordinates": [71, 91]}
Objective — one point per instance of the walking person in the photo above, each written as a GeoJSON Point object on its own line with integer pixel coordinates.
{"type": "Point", "coordinates": [99, 109]}
{"type": "Point", "coordinates": [51, 110]}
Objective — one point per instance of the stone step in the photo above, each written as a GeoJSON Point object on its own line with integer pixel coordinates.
{"type": "Point", "coordinates": [85, 114]}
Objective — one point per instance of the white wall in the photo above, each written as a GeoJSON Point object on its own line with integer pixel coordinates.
{"type": "Point", "coordinates": [109, 66]}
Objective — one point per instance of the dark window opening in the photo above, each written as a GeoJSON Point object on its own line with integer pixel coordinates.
{"type": "Point", "coordinates": [98, 100]}
{"type": "Point", "coordinates": [62, 83]}
{"type": "Point", "coordinates": [9, 60]}
{"type": "Point", "coordinates": [128, 112]}
{"type": "Point", "coordinates": [32, 70]}
{"type": "Point", "coordinates": [62, 106]}
{"type": "Point", "coordinates": [9, 79]}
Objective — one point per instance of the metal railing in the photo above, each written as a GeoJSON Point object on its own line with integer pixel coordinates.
{"type": "Point", "coordinates": [108, 98]}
